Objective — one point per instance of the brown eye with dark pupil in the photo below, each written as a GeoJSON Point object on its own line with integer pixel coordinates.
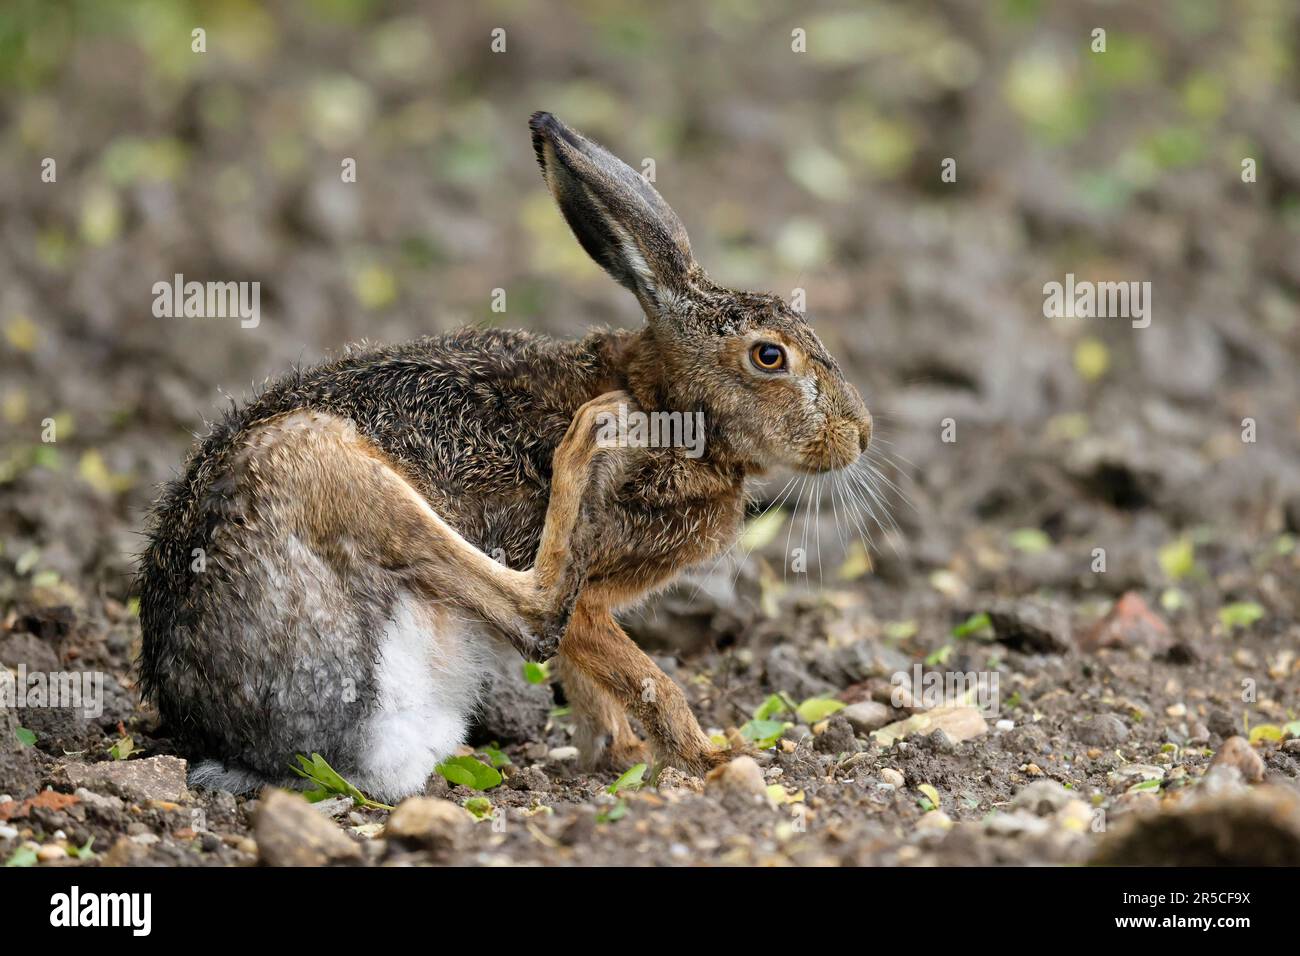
{"type": "Point", "coordinates": [768, 357]}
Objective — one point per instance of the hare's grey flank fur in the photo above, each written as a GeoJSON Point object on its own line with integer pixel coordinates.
{"type": "Point", "coordinates": [347, 553]}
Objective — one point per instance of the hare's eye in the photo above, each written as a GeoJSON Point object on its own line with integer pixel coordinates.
{"type": "Point", "coordinates": [768, 357]}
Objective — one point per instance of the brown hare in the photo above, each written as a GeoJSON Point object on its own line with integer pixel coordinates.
{"type": "Point", "coordinates": [346, 553]}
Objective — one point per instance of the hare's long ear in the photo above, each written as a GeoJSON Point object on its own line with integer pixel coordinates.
{"type": "Point", "coordinates": [619, 218]}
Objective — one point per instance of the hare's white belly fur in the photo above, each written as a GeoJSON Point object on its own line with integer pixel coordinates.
{"type": "Point", "coordinates": [431, 670]}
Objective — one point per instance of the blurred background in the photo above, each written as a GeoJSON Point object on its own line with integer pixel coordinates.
{"type": "Point", "coordinates": [816, 169]}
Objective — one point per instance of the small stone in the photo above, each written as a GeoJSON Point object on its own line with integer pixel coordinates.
{"type": "Point", "coordinates": [560, 754]}
{"type": "Point", "coordinates": [867, 715]}
{"type": "Point", "coordinates": [145, 839]}
{"type": "Point", "coordinates": [1074, 815]}
{"type": "Point", "coordinates": [334, 806]}
{"type": "Point", "coordinates": [290, 832]}
{"type": "Point", "coordinates": [530, 777]}
{"type": "Point", "coordinates": [1237, 752]}
{"type": "Point", "coordinates": [936, 821]}
{"type": "Point", "coordinates": [959, 723]}
{"type": "Point", "coordinates": [1199, 734]}
{"type": "Point", "coordinates": [1221, 780]}
{"type": "Point", "coordinates": [1004, 725]}
{"type": "Point", "coordinates": [1135, 801]}
{"type": "Point", "coordinates": [1019, 823]}
{"type": "Point", "coordinates": [1103, 730]}
{"type": "Point", "coordinates": [7, 832]}
{"type": "Point", "coordinates": [1222, 723]}
{"type": "Point", "coordinates": [740, 777]}
{"type": "Point", "coordinates": [1130, 623]}
{"type": "Point", "coordinates": [139, 781]}
{"type": "Point", "coordinates": [1124, 777]}
{"type": "Point", "coordinates": [1042, 798]}
{"type": "Point", "coordinates": [1176, 710]}
{"type": "Point", "coordinates": [938, 741]}
{"type": "Point", "coordinates": [1259, 826]}
{"type": "Point", "coordinates": [892, 777]}
{"type": "Point", "coordinates": [51, 852]}
{"type": "Point", "coordinates": [1292, 746]}
{"type": "Point", "coordinates": [1033, 626]}
{"type": "Point", "coordinates": [428, 822]}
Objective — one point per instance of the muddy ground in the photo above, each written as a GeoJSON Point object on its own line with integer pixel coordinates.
{"type": "Point", "coordinates": [1102, 516]}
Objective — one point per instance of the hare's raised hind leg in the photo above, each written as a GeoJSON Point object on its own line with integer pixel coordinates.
{"type": "Point", "coordinates": [313, 475]}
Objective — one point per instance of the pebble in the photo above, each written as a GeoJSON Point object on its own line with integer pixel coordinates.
{"type": "Point", "coordinates": [154, 778]}
{"type": "Point", "coordinates": [1292, 746]}
{"type": "Point", "coordinates": [866, 716]}
{"type": "Point", "coordinates": [7, 833]}
{"type": "Point", "coordinates": [1237, 752]}
{"type": "Point", "coordinates": [1041, 798]}
{"type": "Point", "coordinates": [742, 777]}
{"type": "Point", "coordinates": [145, 839]}
{"type": "Point", "coordinates": [892, 777]}
{"type": "Point", "coordinates": [530, 777]}
{"type": "Point", "coordinates": [959, 723]}
{"type": "Point", "coordinates": [559, 754]}
{"type": "Point", "coordinates": [1103, 730]}
{"type": "Point", "coordinates": [936, 821]}
{"type": "Point", "coordinates": [1130, 774]}
{"type": "Point", "coordinates": [50, 852]}
{"type": "Point", "coordinates": [1002, 726]}
{"type": "Point", "coordinates": [290, 832]}
{"type": "Point", "coordinates": [428, 822]}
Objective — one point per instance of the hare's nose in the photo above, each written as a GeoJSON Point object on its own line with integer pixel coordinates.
{"type": "Point", "coordinates": [864, 431]}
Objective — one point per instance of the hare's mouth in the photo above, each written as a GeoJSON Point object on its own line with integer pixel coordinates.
{"type": "Point", "coordinates": [839, 445]}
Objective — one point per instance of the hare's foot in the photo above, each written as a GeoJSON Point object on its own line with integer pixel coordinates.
{"type": "Point", "coordinates": [605, 671]}
{"type": "Point", "coordinates": [602, 734]}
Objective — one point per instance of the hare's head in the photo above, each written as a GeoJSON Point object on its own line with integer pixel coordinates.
{"type": "Point", "coordinates": [767, 386]}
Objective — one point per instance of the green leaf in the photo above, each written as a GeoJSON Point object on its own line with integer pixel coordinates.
{"type": "Point", "coordinates": [932, 795]}
{"type": "Point", "coordinates": [764, 733]}
{"type": "Point", "coordinates": [1178, 558]}
{"type": "Point", "coordinates": [469, 772]}
{"type": "Point", "coordinates": [617, 812]}
{"type": "Point", "coordinates": [480, 808]}
{"type": "Point", "coordinates": [936, 658]}
{"type": "Point", "coordinates": [329, 782]}
{"type": "Point", "coordinates": [818, 708]}
{"type": "Point", "coordinates": [1241, 614]}
{"type": "Point", "coordinates": [25, 737]}
{"type": "Point", "coordinates": [536, 673]}
{"type": "Point", "coordinates": [774, 705]}
{"type": "Point", "coordinates": [900, 630]}
{"type": "Point", "coordinates": [1267, 732]}
{"type": "Point", "coordinates": [122, 749]}
{"type": "Point", "coordinates": [631, 780]}
{"type": "Point", "coordinates": [23, 856]}
{"type": "Point", "coordinates": [1030, 540]}
{"type": "Point", "coordinates": [84, 852]}
{"type": "Point", "coordinates": [976, 624]}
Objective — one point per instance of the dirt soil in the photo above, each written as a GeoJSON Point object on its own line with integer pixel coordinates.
{"type": "Point", "coordinates": [1102, 518]}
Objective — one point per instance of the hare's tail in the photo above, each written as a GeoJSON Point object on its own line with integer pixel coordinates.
{"type": "Point", "coordinates": [214, 775]}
